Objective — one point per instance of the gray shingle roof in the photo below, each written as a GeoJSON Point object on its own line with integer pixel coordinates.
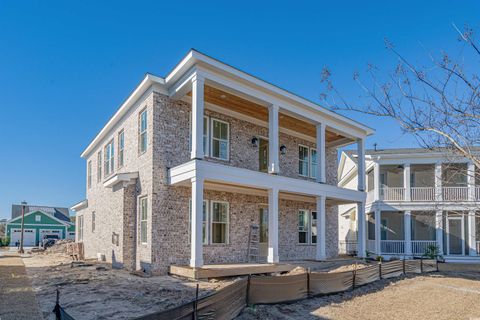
{"type": "Point", "coordinates": [58, 212]}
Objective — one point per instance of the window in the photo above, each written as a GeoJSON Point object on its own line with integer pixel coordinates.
{"type": "Point", "coordinates": [219, 224]}
{"type": "Point", "coordinates": [99, 166]}
{"type": "Point", "coordinates": [313, 163]}
{"type": "Point", "coordinates": [307, 227]}
{"type": "Point", "coordinates": [89, 174]}
{"type": "Point", "coordinates": [109, 158]}
{"type": "Point", "coordinates": [314, 230]}
{"type": "Point", "coordinates": [220, 139]}
{"type": "Point", "coordinates": [303, 161]}
{"type": "Point", "coordinates": [143, 220]}
{"type": "Point", "coordinates": [142, 132]}
{"type": "Point", "coordinates": [205, 221]}
{"type": "Point", "coordinates": [80, 228]}
{"type": "Point", "coordinates": [206, 130]}
{"type": "Point", "coordinates": [38, 218]}
{"type": "Point", "coordinates": [303, 226]}
{"type": "Point", "coordinates": [93, 221]}
{"type": "Point", "coordinates": [121, 145]}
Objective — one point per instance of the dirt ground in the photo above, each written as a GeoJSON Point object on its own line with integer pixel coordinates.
{"type": "Point", "coordinates": [452, 293]}
{"type": "Point", "coordinates": [88, 293]}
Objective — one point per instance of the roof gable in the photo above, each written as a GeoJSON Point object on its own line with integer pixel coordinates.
{"type": "Point", "coordinates": [45, 218]}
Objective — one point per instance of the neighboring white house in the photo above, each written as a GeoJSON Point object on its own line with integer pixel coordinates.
{"type": "Point", "coordinates": [191, 160]}
{"type": "Point", "coordinates": [420, 197]}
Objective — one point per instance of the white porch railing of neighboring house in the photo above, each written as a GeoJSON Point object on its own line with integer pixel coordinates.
{"type": "Point", "coordinates": [392, 246]}
{"type": "Point", "coordinates": [455, 193]}
{"type": "Point", "coordinates": [422, 193]}
{"type": "Point", "coordinates": [477, 193]}
{"type": "Point", "coordinates": [371, 246]}
{"type": "Point", "coordinates": [419, 247]}
{"type": "Point", "coordinates": [478, 248]}
{"type": "Point", "coordinates": [347, 246]}
{"type": "Point", "coordinates": [392, 194]}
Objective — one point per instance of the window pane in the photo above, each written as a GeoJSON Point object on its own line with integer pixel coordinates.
{"type": "Point", "coordinates": [205, 126]}
{"type": "Point", "coordinates": [224, 131]}
{"type": "Point", "coordinates": [223, 150]}
{"type": "Point", "coordinates": [314, 227]}
{"type": "Point", "coordinates": [216, 129]}
{"type": "Point", "coordinates": [216, 148]}
{"type": "Point", "coordinates": [143, 121]}
{"type": "Point", "coordinates": [302, 237]}
{"type": "Point", "coordinates": [219, 233]}
{"type": "Point", "coordinates": [143, 231]}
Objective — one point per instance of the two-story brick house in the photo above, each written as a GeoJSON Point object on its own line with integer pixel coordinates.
{"type": "Point", "coordinates": [190, 161]}
{"type": "Point", "coordinates": [417, 198]}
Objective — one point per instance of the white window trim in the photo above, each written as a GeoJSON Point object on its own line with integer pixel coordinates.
{"type": "Point", "coordinates": [308, 226]}
{"type": "Point", "coordinates": [307, 223]}
{"type": "Point", "coordinates": [308, 160]}
{"type": "Point", "coordinates": [207, 214]}
{"type": "Point", "coordinates": [311, 225]}
{"type": "Point", "coordinates": [99, 166]}
{"type": "Point", "coordinates": [89, 174]}
{"type": "Point", "coordinates": [38, 218]}
{"type": "Point", "coordinates": [227, 242]}
{"type": "Point", "coordinates": [109, 162]}
{"type": "Point", "coordinates": [140, 132]}
{"type": "Point", "coordinates": [121, 150]}
{"type": "Point", "coordinates": [206, 148]}
{"type": "Point", "coordinates": [212, 138]}
{"type": "Point", "coordinates": [140, 198]}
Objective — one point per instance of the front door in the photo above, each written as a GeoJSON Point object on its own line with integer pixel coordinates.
{"type": "Point", "coordinates": [263, 224]}
{"type": "Point", "coordinates": [455, 238]}
{"type": "Point", "coordinates": [263, 155]}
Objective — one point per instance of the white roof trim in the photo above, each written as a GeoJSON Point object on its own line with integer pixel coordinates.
{"type": "Point", "coordinates": [43, 212]}
{"type": "Point", "coordinates": [124, 179]}
{"type": "Point", "coordinates": [79, 206]}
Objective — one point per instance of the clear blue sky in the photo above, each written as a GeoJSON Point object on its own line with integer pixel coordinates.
{"type": "Point", "coordinates": [65, 66]}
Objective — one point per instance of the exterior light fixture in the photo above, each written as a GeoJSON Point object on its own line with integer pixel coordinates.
{"type": "Point", "coordinates": [283, 149]}
{"type": "Point", "coordinates": [255, 142]}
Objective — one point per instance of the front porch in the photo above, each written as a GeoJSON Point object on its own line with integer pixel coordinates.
{"type": "Point", "coordinates": [411, 233]}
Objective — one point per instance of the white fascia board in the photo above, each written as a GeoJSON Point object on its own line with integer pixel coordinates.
{"type": "Point", "coordinates": [124, 179]}
{"type": "Point", "coordinates": [148, 81]}
{"type": "Point", "coordinates": [215, 172]}
{"type": "Point", "coordinates": [335, 120]}
{"type": "Point", "coordinates": [79, 206]}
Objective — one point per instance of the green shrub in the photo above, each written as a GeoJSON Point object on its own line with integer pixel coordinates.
{"type": "Point", "coordinates": [433, 252]}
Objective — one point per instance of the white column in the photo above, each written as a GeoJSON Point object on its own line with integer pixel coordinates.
{"type": "Point", "coordinates": [406, 181]}
{"type": "Point", "coordinates": [321, 177]}
{"type": "Point", "coordinates": [321, 254]}
{"type": "Point", "coordinates": [438, 181]}
{"type": "Point", "coordinates": [273, 145]}
{"type": "Point", "coordinates": [439, 230]}
{"type": "Point", "coordinates": [361, 164]}
{"type": "Point", "coordinates": [196, 258]}
{"type": "Point", "coordinates": [376, 183]}
{"type": "Point", "coordinates": [361, 230]}
{"type": "Point", "coordinates": [407, 220]}
{"type": "Point", "coordinates": [197, 116]}
{"type": "Point", "coordinates": [273, 226]}
{"type": "Point", "coordinates": [472, 241]}
{"type": "Point", "coordinates": [378, 234]}
{"type": "Point", "coordinates": [471, 181]}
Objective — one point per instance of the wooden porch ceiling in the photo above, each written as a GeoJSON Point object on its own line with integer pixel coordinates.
{"type": "Point", "coordinates": [249, 108]}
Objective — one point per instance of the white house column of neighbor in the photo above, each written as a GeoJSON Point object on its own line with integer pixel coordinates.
{"type": "Point", "coordinates": [406, 181]}
{"type": "Point", "coordinates": [438, 181]}
{"type": "Point", "coordinates": [407, 228]}
{"type": "Point", "coordinates": [321, 216]}
{"type": "Point", "coordinates": [273, 145]}
{"type": "Point", "coordinates": [273, 226]}
{"type": "Point", "coordinates": [361, 222]}
{"type": "Point", "coordinates": [196, 258]}
{"type": "Point", "coordinates": [378, 234]}
{"type": "Point", "coordinates": [439, 230]}
{"type": "Point", "coordinates": [472, 241]}
{"type": "Point", "coordinates": [376, 181]}
{"type": "Point", "coordinates": [198, 84]}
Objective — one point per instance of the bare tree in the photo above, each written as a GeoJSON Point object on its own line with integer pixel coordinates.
{"type": "Point", "coordinates": [439, 104]}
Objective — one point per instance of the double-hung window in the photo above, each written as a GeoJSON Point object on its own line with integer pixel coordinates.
{"type": "Point", "coordinates": [307, 227]}
{"type": "Point", "coordinates": [143, 219]}
{"type": "Point", "coordinates": [220, 139]}
{"type": "Point", "coordinates": [220, 219]}
{"type": "Point", "coordinates": [89, 174]}
{"type": "Point", "coordinates": [303, 160]}
{"type": "Point", "coordinates": [93, 221]}
{"type": "Point", "coordinates": [80, 228]}
{"type": "Point", "coordinates": [142, 132]}
{"type": "Point", "coordinates": [204, 222]}
{"type": "Point", "coordinates": [121, 146]}
{"type": "Point", "coordinates": [99, 166]}
{"type": "Point", "coordinates": [109, 158]}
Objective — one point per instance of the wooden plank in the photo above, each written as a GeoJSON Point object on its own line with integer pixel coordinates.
{"type": "Point", "coordinates": [228, 270]}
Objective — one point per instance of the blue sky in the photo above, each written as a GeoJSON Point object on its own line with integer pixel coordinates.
{"type": "Point", "coordinates": [66, 66]}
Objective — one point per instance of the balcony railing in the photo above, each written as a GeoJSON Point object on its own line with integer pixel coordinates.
{"type": "Point", "coordinates": [419, 247]}
{"type": "Point", "coordinates": [392, 194]}
{"type": "Point", "coordinates": [422, 193]}
{"type": "Point", "coordinates": [455, 193]}
{"type": "Point", "coordinates": [392, 246]}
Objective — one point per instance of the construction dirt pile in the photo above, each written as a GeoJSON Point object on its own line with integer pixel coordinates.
{"type": "Point", "coordinates": [92, 290]}
{"type": "Point", "coordinates": [59, 247]}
